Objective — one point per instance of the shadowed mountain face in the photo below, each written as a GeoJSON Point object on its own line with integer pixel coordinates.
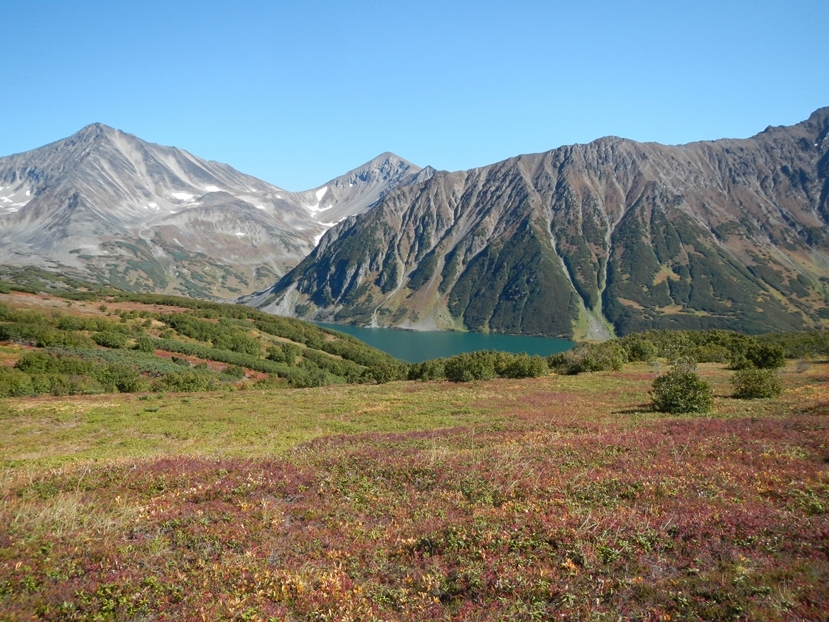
{"type": "Point", "coordinates": [107, 206]}
{"type": "Point", "coordinates": [588, 240]}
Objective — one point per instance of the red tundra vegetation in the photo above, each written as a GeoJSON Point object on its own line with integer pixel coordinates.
{"type": "Point", "coordinates": [573, 503]}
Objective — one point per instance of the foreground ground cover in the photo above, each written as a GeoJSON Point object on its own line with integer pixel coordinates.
{"type": "Point", "coordinates": [562, 497]}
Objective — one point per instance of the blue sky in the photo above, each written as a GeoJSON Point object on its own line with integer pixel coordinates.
{"type": "Point", "coordinates": [299, 92]}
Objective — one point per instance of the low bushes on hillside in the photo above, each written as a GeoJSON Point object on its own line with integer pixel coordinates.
{"type": "Point", "coordinates": [520, 366]}
{"type": "Point", "coordinates": [759, 356]}
{"type": "Point", "coordinates": [754, 383]}
{"type": "Point", "coordinates": [608, 356]}
{"type": "Point", "coordinates": [483, 365]}
{"type": "Point", "coordinates": [110, 339]}
{"type": "Point", "coordinates": [470, 366]}
{"type": "Point", "coordinates": [387, 371]}
{"type": "Point", "coordinates": [433, 369]}
{"type": "Point", "coordinates": [38, 373]}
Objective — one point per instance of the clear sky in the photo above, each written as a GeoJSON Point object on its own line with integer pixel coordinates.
{"type": "Point", "coordinates": [299, 92]}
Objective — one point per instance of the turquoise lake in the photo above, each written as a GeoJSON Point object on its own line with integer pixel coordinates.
{"type": "Point", "coordinates": [415, 347]}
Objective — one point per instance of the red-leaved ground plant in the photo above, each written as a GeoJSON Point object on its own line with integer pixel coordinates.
{"type": "Point", "coordinates": [556, 515]}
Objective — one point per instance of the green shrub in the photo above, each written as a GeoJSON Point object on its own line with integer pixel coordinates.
{"type": "Point", "coordinates": [336, 366]}
{"type": "Point", "coordinates": [428, 370]}
{"type": "Point", "coordinates": [756, 384]}
{"type": "Point", "coordinates": [524, 366]}
{"type": "Point", "coordinates": [42, 336]}
{"type": "Point", "coordinates": [110, 339]}
{"type": "Point", "coordinates": [709, 353]}
{"type": "Point", "coordinates": [270, 381]}
{"type": "Point", "coordinates": [639, 348]}
{"type": "Point", "coordinates": [589, 357]}
{"type": "Point", "coordinates": [470, 366]}
{"type": "Point", "coordinates": [284, 353]}
{"type": "Point", "coordinates": [118, 377]}
{"type": "Point", "coordinates": [766, 356]}
{"type": "Point", "coordinates": [276, 354]}
{"type": "Point", "coordinates": [234, 371]}
{"type": "Point", "coordinates": [145, 344]}
{"type": "Point", "coordinates": [237, 341]}
{"type": "Point", "coordinates": [15, 384]}
{"type": "Point", "coordinates": [681, 392]}
{"type": "Point", "coordinates": [291, 351]}
{"type": "Point", "coordinates": [759, 356]}
{"type": "Point", "coordinates": [386, 371]}
{"type": "Point", "coordinates": [308, 378]}
{"type": "Point", "coordinates": [47, 362]}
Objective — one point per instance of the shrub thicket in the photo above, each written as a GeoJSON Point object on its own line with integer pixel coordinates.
{"type": "Point", "coordinates": [432, 369]}
{"type": "Point", "coordinates": [386, 371]}
{"type": "Point", "coordinates": [607, 356]}
{"type": "Point", "coordinates": [758, 356]}
{"type": "Point", "coordinates": [639, 348]}
{"type": "Point", "coordinates": [470, 366]}
{"type": "Point", "coordinates": [145, 344]}
{"type": "Point", "coordinates": [110, 339]}
{"type": "Point", "coordinates": [521, 366]}
{"type": "Point", "coordinates": [756, 384]}
{"type": "Point", "coordinates": [302, 379]}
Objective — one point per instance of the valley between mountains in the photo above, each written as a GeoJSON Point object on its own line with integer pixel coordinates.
{"type": "Point", "coordinates": [584, 241]}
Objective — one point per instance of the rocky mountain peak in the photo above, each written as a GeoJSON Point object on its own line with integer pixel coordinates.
{"type": "Point", "coordinates": [105, 205]}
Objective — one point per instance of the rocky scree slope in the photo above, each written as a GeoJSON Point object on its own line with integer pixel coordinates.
{"type": "Point", "coordinates": [589, 240]}
{"type": "Point", "coordinates": [107, 206]}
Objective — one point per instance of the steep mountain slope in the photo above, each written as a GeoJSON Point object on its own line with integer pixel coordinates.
{"type": "Point", "coordinates": [105, 205]}
{"type": "Point", "coordinates": [586, 240]}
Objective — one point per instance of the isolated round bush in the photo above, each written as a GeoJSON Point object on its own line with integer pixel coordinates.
{"type": "Point", "coordinates": [756, 384]}
{"type": "Point", "coordinates": [681, 392]}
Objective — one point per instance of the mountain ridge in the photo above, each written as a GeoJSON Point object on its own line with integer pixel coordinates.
{"type": "Point", "coordinates": [104, 205]}
{"type": "Point", "coordinates": [623, 235]}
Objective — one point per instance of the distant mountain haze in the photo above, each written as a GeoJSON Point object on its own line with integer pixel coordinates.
{"type": "Point", "coordinates": [106, 206]}
{"type": "Point", "coordinates": [588, 241]}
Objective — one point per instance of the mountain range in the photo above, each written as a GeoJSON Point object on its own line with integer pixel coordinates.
{"type": "Point", "coordinates": [588, 241]}
{"type": "Point", "coordinates": [105, 206]}
{"type": "Point", "coordinates": [583, 241]}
